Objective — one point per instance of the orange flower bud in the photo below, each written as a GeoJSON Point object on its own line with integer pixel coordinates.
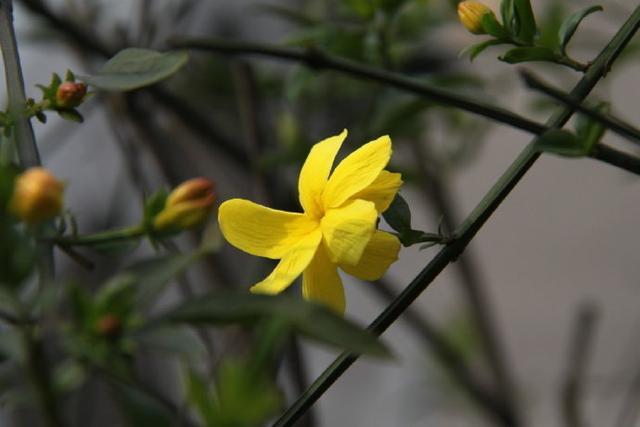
{"type": "Point", "coordinates": [70, 94]}
{"type": "Point", "coordinates": [187, 206]}
{"type": "Point", "coordinates": [109, 325]}
{"type": "Point", "coordinates": [470, 13]}
{"type": "Point", "coordinates": [37, 196]}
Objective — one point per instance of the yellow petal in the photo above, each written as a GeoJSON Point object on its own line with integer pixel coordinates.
{"type": "Point", "coordinates": [380, 253]}
{"type": "Point", "coordinates": [291, 266]}
{"type": "Point", "coordinates": [315, 172]}
{"type": "Point", "coordinates": [382, 190]}
{"type": "Point", "coordinates": [347, 230]}
{"type": "Point", "coordinates": [357, 171]}
{"type": "Point", "coordinates": [321, 282]}
{"type": "Point", "coordinates": [262, 231]}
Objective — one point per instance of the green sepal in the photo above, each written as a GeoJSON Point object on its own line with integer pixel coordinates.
{"type": "Point", "coordinates": [491, 25]}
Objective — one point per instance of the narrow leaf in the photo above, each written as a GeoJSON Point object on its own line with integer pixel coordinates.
{"type": "Point", "coordinates": [310, 319]}
{"type": "Point", "coordinates": [570, 25]}
{"type": "Point", "coordinates": [134, 68]}
{"type": "Point", "coordinates": [562, 143]}
{"type": "Point", "coordinates": [590, 131]}
{"type": "Point", "coordinates": [527, 54]}
{"type": "Point", "coordinates": [476, 49]}
{"type": "Point", "coordinates": [526, 21]}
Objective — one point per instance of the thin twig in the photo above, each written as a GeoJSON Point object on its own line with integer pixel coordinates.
{"type": "Point", "coordinates": [468, 230]}
{"type": "Point", "coordinates": [577, 362]}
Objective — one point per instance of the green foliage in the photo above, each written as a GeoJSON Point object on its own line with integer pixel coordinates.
{"type": "Point", "coordinates": [562, 142]}
{"type": "Point", "coordinates": [398, 216]}
{"type": "Point", "coordinates": [135, 68]}
{"type": "Point", "coordinates": [309, 319]}
{"type": "Point", "coordinates": [528, 54]}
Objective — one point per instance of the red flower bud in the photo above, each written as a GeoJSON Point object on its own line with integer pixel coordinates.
{"type": "Point", "coordinates": [70, 94]}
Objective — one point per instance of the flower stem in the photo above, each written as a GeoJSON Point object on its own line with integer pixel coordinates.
{"type": "Point", "coordinates": [111, 236]}
{"type": "Point", "coordinates": [468, 230]}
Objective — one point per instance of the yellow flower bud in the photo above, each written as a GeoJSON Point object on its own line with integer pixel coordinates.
{"type": "Point", "coordinates": [470, 13]}
{"type": "Point", "coordinates": [70, 94]}
{"type": "Point", "coordinates": [37, 196]}
{"type": "Point", "coordinates": [187, 206]}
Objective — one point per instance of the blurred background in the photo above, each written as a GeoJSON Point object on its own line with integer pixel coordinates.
{"type": "Point", "coordinates": [559, 256]}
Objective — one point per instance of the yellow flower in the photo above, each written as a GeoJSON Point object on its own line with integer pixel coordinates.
{"type": "Point", "coordinates": [187, 206]}
{"type": "Point", "coordinates": [337, 228]}
{"type": "Point", "coordinates": [470, 13]}
{"type": "Point", "coordinates": [37, 196]}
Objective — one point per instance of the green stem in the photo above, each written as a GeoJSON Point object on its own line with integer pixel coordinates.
{"type": "Point", "coordinates": [27, 149]}
{"type": "Point", "coordinates": [111, 236]}
{"type": "Point", "coordinates": [617, 125]}
{"type": "Point", "coordinates": [321, 60]}
{"type": "Point", "coordinates": [468, 230]}
{"type": "Point", "coordinates": [39, 376]}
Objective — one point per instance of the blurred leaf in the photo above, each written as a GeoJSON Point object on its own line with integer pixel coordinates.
{"type": "Point", "coordinates": [570, 25]}
{"type": "Point", "coordinates": [526, 21]}
{"type": "Point", "coordinates": [562, 143]}
{"type": "Point", "coordinates": [179, 340]}
{"type": "Point", "coordinates": [68, 376]}
{"type": "Point", "coordinates": [307, 318]}
{"type": "Point", "coordinates": [117, 247]}
{"type": "Point", "coordinates": [590, 131]}
{"type": "Point", "coordinates": [140, 409]}
{"type": "Point", "coordinates": [71, 115]}
{"type": "Point", "coordinates": [244, 399]}
{"type": "Point", "coordinates": [476, 49]}
{"type": "Point", "coordinates": [152, 275]}
{"type": "Point", "coordinates": [398, 215]}
{"type": "Point", "coordinates": [134, 68]}
{"type": "Point", "coordinates": [509, 17]}
{"type": "Point", "coordinates": [363, 8]}
{"type": "Point", "coordinates": [200, 395]}
{"type": "Point", "coordinates": [525, 54]}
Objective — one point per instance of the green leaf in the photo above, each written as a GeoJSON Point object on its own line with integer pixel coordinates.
{"type": "Point", "coordinates": [152, 275]}
{"type": "Point", "coordinates": [527, 54]}
{"type": "Point", "coordinates": [310, 319]}
{"type": "Point", "coordinates": [398, 215]}
{"type": "Point", "coordinates": [509, 17]}
{"type": "Point", "coordinates": [476, 49]}
{"type": "Point", "coordinates": [562, 143]}
{"type": "Point", "coordinates": [526, 21]}
{"type": "Point", "coordinates": [176, 340]}
{"type": "Point", "coordinates": [244, 398]}
{"type": "Point", "coordinates": [570, 25]}
{"type": "Point", "coordinates": [116, 248]}
{"type": "Point", "coordinates": [71, 115]}
{"type": "Point", "coordinates": [590, 131]}
{"type": "Point", "coordinates": [200, 395]}
{"type": "Point", "coordinates": [135, 68]}
{"type": "Point", "coordinates": [491, 25]}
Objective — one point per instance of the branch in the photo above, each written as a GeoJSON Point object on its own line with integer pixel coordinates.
{"type": "Point", "coordinates": [579, 352]}
{"type": "Point", "coordinates": [469, 228]}
{"type": "Point", "coordinates": [317, 59]}
{"type": "Point", "coordinates": [617, 125]}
